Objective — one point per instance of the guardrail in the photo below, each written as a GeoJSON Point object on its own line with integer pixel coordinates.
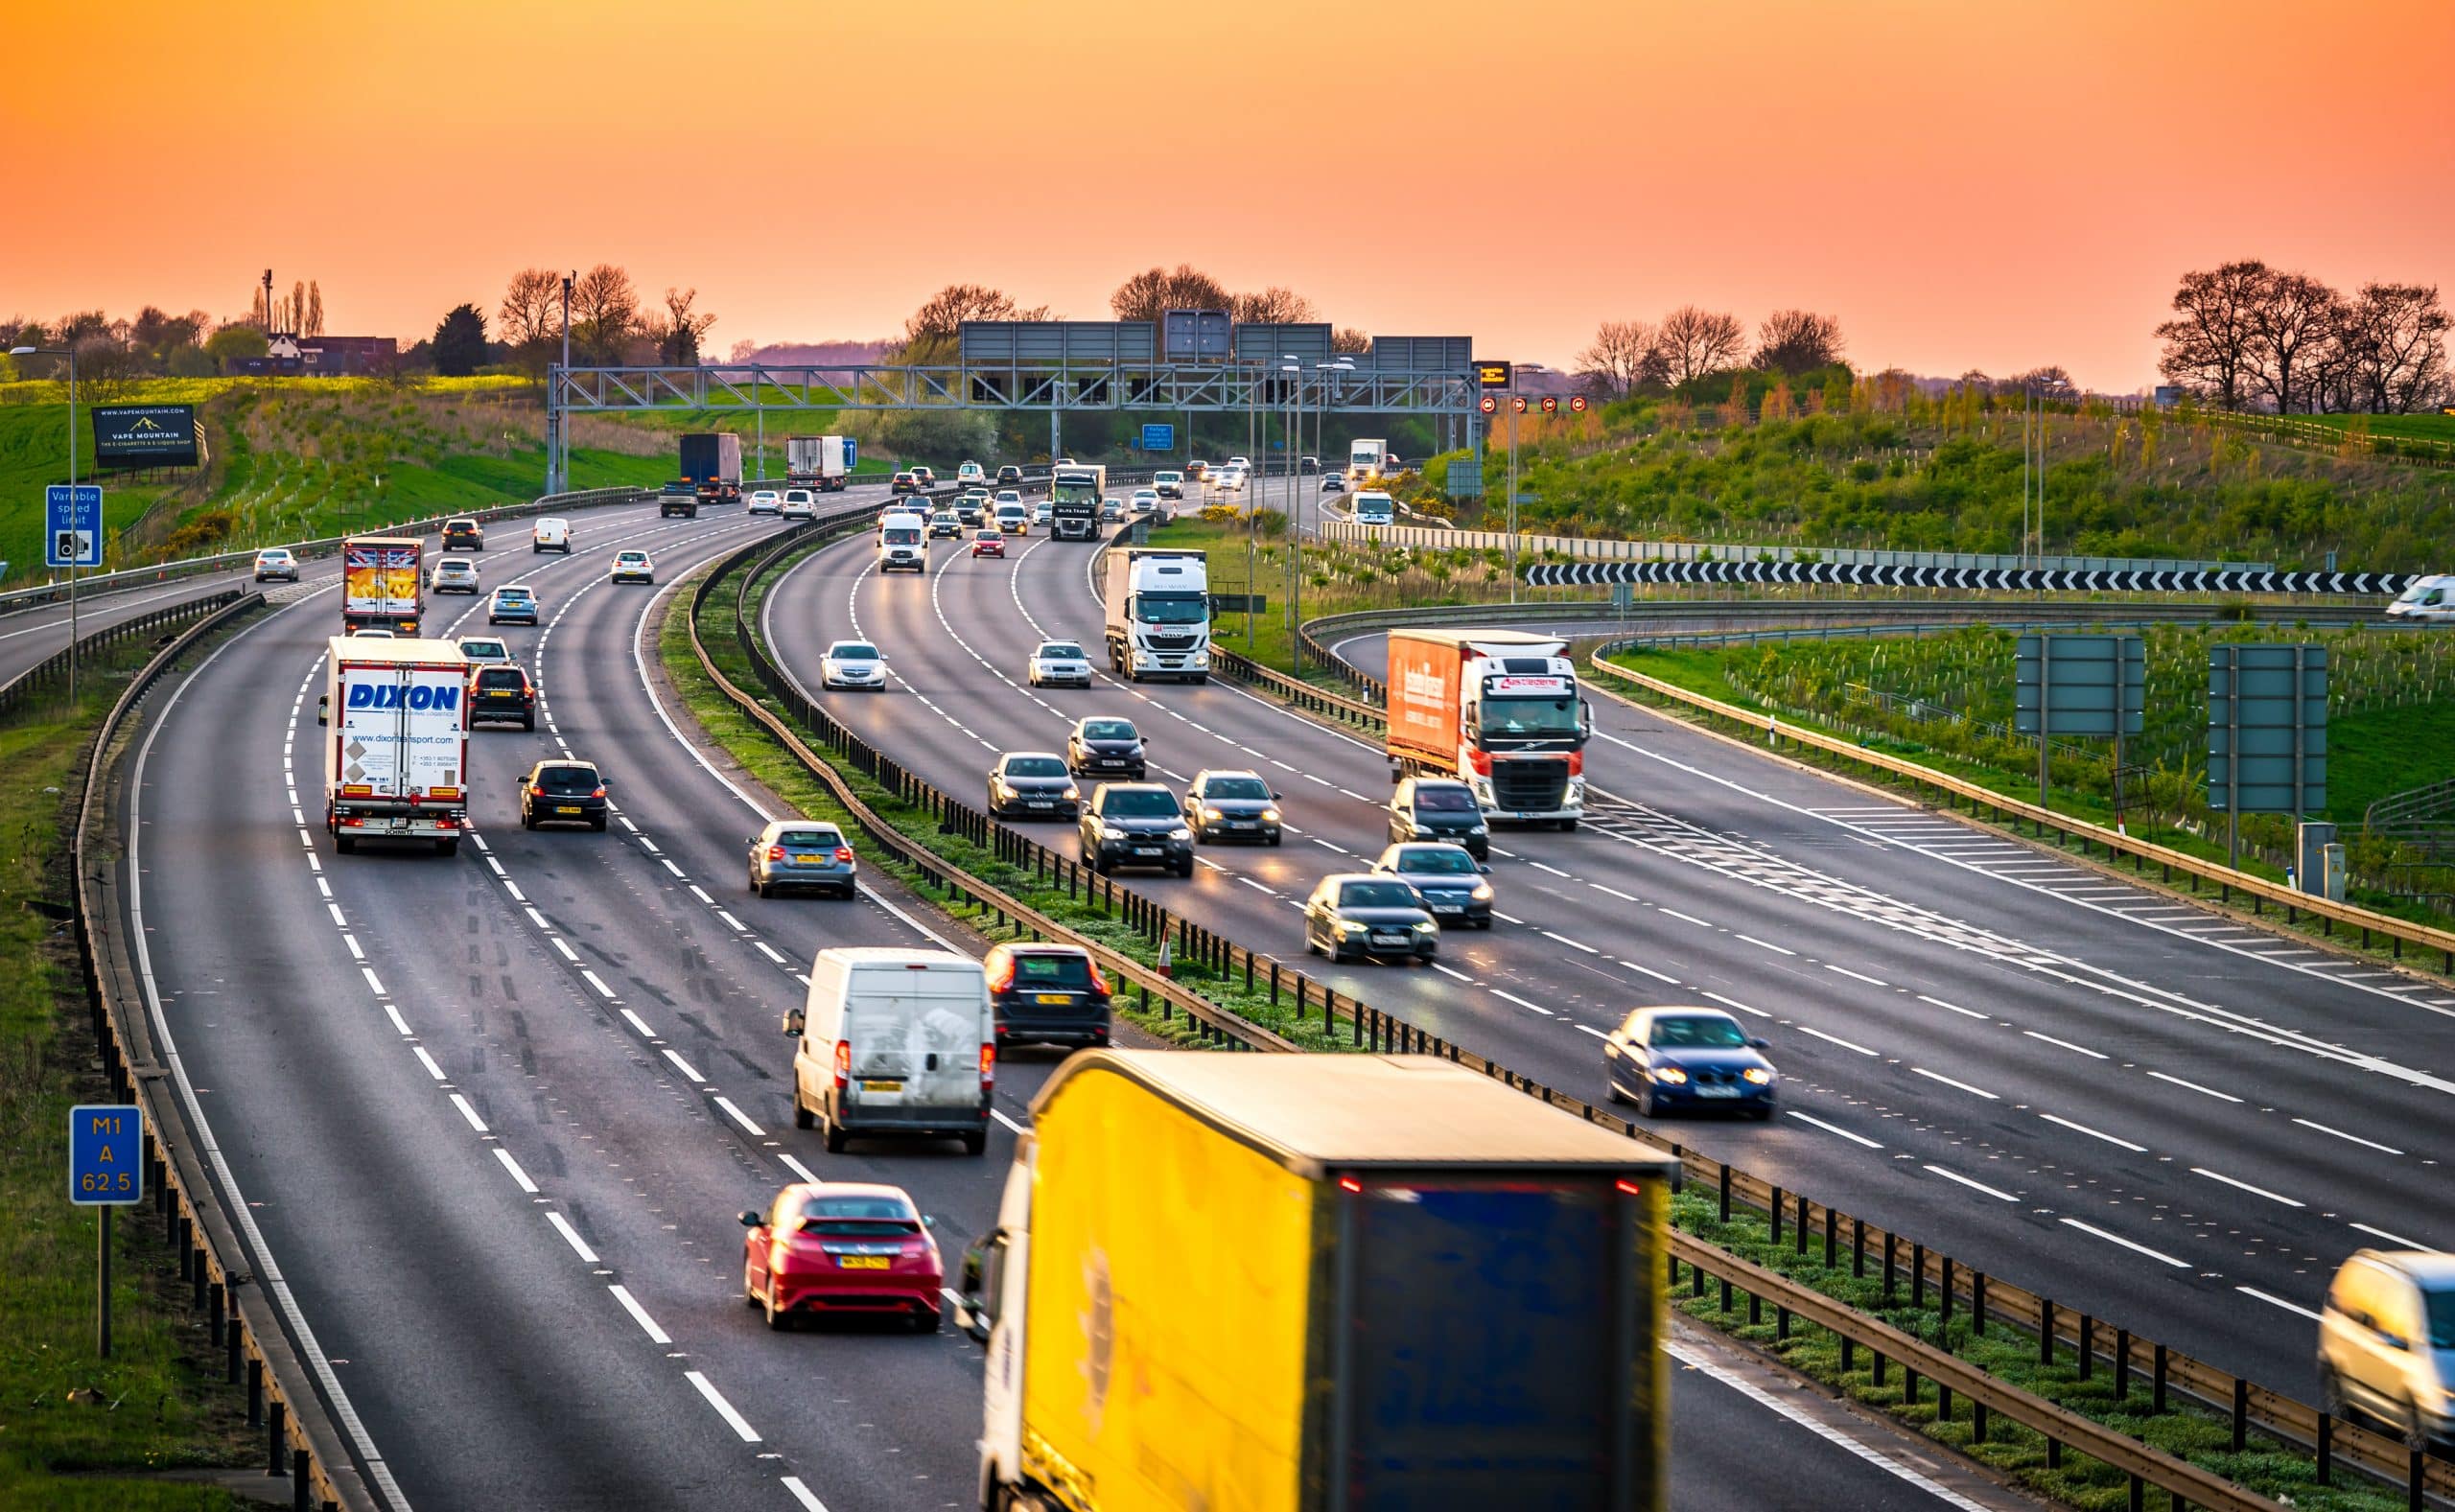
{"type": "Point", "coordinates": [226, 1281]}
{"type": "Point", "coordinates": [1991, 1299]}
{"type": "Point", "coordinates": [52, 671]}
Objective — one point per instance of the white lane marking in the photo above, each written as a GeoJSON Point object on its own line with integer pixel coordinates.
{"type": "Point", "coordinates": [687, 1069]}
{"type": "Point", "coordinates": [1624, 897]}
{"type": "Point", "coordinates": [767, 950]}
{"type": "Point", "coordinates": [670, 867]}
{"type": "Point", "coordinates": [1651, 972]}
{"type": "Point", "coordinates": [2065, 1044]}
{"type": "Point", "coordinates": [2095, 1133]}
{"type": "Point", "coordinates": [639, 1316]}
{"type": "Point", "coordinates": [1975, 1186]}
{"type": "Point", "coordinates": [374, 983]}
{"type": "Point", "coordinates": [1833, 1128]}
{"type": "Point", "coordinates": [334, 908]}
{"type": "Point", "coordinates": [470, 1113]}
{"type": "Point", "coordinates": [398, 1022]}
{"type": "Point", "coordinates": [1732, 1002]}
{"type": "Point", "coordinates": [2245, 1186]}
{"type": "Point", "coordinates": [2396, 1239]}
{"type": "Point", "coordinates": [1938, 1076]}
{"type": "Point", "coordinates": [740, 1117]}
{"type": "Point", "coordinates": [1834, 1039]}
{"type": "Point", "coordinates": [1573, 945]}
{"type": "Point", "coordinates": [804, 1495]}
{"type": "Point", "coordinates": [597, 982]}
{"type": "Point", "coordinates": [2211, 1091]}
{"type": "Point", "coordinates": [701, 893]}
{"type": "Point", "coordinates": [639, 1024]}
{"type": "Point", "coordinates": [1855, 976]}
{"type": "Point", "coordinates": [427, 1061]}
{"type": "Point", "coordinates": [2355, 1138]}
{"type": "Point", "coordinates": [1954, 1007]}
{"type": "Point", "coordinates": [518, 1176]}
{"type": "Point", "coordinates": [798, 1169]}
{"type": "Point", "coordinates": [538, 919]}
{"type": "Point", "coordinates": [1001, 1116]}
{"type": "Point", "coordinates": [734, 924]}
{"type": "Point", "coordinates": [570, 1237]}
{"type": "Point", "coordinates": [1765, 944]}
{"type": "Point", "coordinates": [1690, 917]}
{"type": "Point", "coordinates": [1512, 997]}
{"type": "Point", "coordinates": [1589, 1028]}
{"type": "Point", "coordinates": [2156, 1255]}
{"type": "Point", "coordinates": [569, 954]}
{"type": "Point", "coordinates": [1554, 871]}
{"type": "Point", "coordinates": [2273, 1300]}
{"type": "Point", "coordinates": [1453, 971]}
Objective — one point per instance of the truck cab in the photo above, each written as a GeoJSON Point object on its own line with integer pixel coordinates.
{"type": "Point", "coordinates": [1158, 605]}
{"type": "Point", "coordinates": [1499, 710]}
{"type": "Point", "coordinates": [1372, 507]}
{"type": "Point", "coordinates": [1074, 492]}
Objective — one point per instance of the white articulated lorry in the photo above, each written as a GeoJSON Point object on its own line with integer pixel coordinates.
{"type": "Point", "coordinates": [824, 462]}
{"type": "Point", "coordinates": [396, 742]}
{"type": "Point", "coordinates": [1158, 613]}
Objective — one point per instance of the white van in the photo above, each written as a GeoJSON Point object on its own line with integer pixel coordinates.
{"type": "Point", "coordinates": [895, 1043]}
{"type": "Point", "coordinates": [1373, 508]}
{"type": "Point", "coordinates": [904, 542]}
{"type": "Point", "coordinates": [550, 534]}
{"type": "Point", "coordinates": [1015, 520]}
{"type": "Point", "coordinates": [2431, 599]}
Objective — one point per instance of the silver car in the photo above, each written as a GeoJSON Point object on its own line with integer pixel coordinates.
{"type": "Point", "coordinates": [2387, 1343]}
{"type": "Point", "coordinates": [1060, 664]}
{"type": "Point", "coordinates": [798, 852]}
{"type": "Point", "coordinates": [276, 561]}
{"type": "Point", "coordinates": [855, 665]}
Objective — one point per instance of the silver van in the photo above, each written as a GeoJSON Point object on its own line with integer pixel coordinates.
{"type": "Point", "coordinates": [895, 1043]}
{"type": "Point", "coordinates": [2387, 1343]}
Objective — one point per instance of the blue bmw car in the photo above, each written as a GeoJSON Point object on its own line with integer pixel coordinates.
{"type": "Point", "coordinates": [1665, 1058]}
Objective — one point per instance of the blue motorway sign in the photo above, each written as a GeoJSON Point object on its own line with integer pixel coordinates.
{"type": "Point", "coordinates": [852, 454]}
{"type": "Point", "coordinates": [73, 525]}
{"type": "Point", "coordinates": [1158, 438]}
{"type": "Point", "coordinates": [105, 1154]}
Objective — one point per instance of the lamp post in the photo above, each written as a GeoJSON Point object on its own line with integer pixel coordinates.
{"type": "Point", "coordinates": [1515, 404]}
{"type": "Point", "coordinates": [70, 353]}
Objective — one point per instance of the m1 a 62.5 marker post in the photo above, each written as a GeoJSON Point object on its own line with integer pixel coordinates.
{"type": "Point", "coordinates": [105, 1170]}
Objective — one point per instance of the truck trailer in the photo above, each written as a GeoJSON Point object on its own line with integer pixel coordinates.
{"type": "Point", "coordinates": [1075, 490]}
{"type": "Point", "coordinates": [396, 742]}
{"type": "Point", "coordinates": [1499, 710]}
{"type": "Point", "coordinates": [1158, 605]}
{"type": "Point", "coordinates": [383, 584]}
{"type": "Point", "coordinates": [1317, 1283]}
{"type": "Point", "coordinates": [712, 462]}
{"type": "Point", "coordinates": [824, 462]}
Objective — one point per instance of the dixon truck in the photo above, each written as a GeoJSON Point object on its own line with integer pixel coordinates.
{"type": "Point", "coordinates": [1498, 709]}
{"type": "Point", "coordinates": [712, 463]}
{"type": "Point", "coordinates": [1158, 613]}
{"type": "Point", "coordinates": [1075, 490]}
{"type": "Point", "coordinates": [396, 742]}
{"type": "Point", "coordinates": [824, 462]}
{"type": "Point", "coordinates": [383, 584]}
{"type": "Point", "coordinates": [1317, 1283]}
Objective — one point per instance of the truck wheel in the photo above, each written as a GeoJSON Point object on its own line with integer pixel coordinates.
{"type": "Point", "coordinates": [446, 848]}
{"type": "Point", "coordinates": [1568, 825]}
{"type": "Point", "coordinates": [802, 1117]}
{"type": "Point", "coordinates": [344, 844]}
{"type": "Point", "coordinates": [976, 1142]}
{"type": "Point", "coordinates": [1201, 678]}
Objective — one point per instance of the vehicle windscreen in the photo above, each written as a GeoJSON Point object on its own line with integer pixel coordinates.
{"type": "Point", "coordinates": [1010, 511]}
{"type": "Point", "coordinates": [1376, 894]}
{"type": "Point", "coordinates": [501, 677]}
{"type": "Point", "coordinates": [1172, 609]}
{"type": "Point", "coordinates": [512, 596]}
{"type": "Point", "coordinates": [1436, 861]}
{"type": "Point", "coordinates": [1035, 766]}
{"type": "Point", "coordinates": [904, 535]}
{"type": "Point", "coordinates": [1709, 1033]}
{"type": "Point", "coordinates": [1444, 800]}
{"type": "Point", "coordinates": [1052, 972]}
{"type": "Point", "coordinates": [854, 651]}
{"type": "Point", "coordinates": [484, 650]}
{"type": "Point", "coordinates": [1069, 491]}
{"type": "Point", "coordinates": [1061, 651]}
{"type": "Point", "coordinates": [1530, 716]}
{"type": "Point", "coordinates": [1236, 788]}
{"type": "Point", "coordinates": [1139, 803]}
{"type": "Point", "coordinates": [858, 1217]}
{"type": "Point", "coordinates": [2441, 1304]}
{"type": "Point", "coordinates": [566, 782]}
{"type": "Point", "coordinates": [1109, 730]}
{"type": "Point", "coordinates": [808, 839]}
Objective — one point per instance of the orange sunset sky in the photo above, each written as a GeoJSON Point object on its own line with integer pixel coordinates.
{"type": "Point", "coordinates": [1963, 184]}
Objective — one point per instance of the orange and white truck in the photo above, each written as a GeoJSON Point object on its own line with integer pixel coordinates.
{"type": "Point", "coordinates": [383, 584]}
{"type": "Point", "coordinates": [1498, 709]}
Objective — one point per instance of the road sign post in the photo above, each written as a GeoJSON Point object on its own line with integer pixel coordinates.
{"type": "Point", "coordinates": [2079, 684]}
{"type": "Point", "coordinates": [73, 538]}
{"type": "Point", "coordinates": [2267, 733]}
{"type": "Point", "coordinates": [1158, 438]}
{"type": "Point", "coordinates": [105, 1170]}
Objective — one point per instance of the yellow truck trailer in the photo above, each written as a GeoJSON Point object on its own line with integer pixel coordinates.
{"type": "Point", "coordinates": [1255, 1283]}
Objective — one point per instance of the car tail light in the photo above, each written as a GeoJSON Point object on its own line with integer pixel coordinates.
{"type": "Point", "coordinates": [1099, 981]}
{"type": "Point", "coordinates": [988, 1064]}
{"type": "Point", "coordinates": [843, 852]}
{"type": "Point", "coordinates": [1004, 978]}
{"type": "Point", "coordinates": [599, 793]}
{"type": "Point", "coordinates": [775, 853]}
{"type": "Point", "coordinates": [842, 1063]}
{"type": "Point", "coordinates": [536, 792]}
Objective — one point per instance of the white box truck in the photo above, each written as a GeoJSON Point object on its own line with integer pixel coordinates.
{"type": "Point", "coordinates": [824, 462]}
{"type": "Point", "coordinates": [396, 741]}
{"type": "Point", "coordinates": [1365, 458]}
{"type": "Point", "coordinates": [1158, 613]}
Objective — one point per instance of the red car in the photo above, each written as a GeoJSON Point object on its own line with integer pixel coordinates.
{"type": "Point", "coordinates": [842, 1247]}
{"type": "Point", "coordinates": [989, 543]}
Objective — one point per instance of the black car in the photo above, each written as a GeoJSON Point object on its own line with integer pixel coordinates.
{"type": "Point", "coordinates": [503, 692]}
{"type": "Point", "coordinates": [1106, 747]}
{"type": "Point", "coordinates": [562, 792]}
{"type": "Point", "coordinates": [1377, 917]}
{"type": "Point", "coordinates": [1135, 824]}
{"type": "Point", "coordinates": [1232, 806]}
{"type": "Point", "coordinates": [463, 535]}
{"type": "Point", "coordinates": [1032, 784]}
{"type": "Point", "coordinates": [1667, 1057]}
{"type": "Point", "coordinates": [1450, 881]}
{"type": "Point", "coordinates": [1310, 464]}
{"type": "Point", "coordinates": [1047, 995]}
{"type": "Point", "coordinates": [1010, 476]}
{"type": "Point", "coordinates": [1439, 808]}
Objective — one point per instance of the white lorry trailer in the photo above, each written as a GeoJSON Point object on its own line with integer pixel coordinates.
{"type": "Point", "coordinates": [824, 462]}
{"type": "Point", "coordinates": [396, 741]}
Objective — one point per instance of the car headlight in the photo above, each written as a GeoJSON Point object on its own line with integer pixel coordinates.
{"type": "Point", "coordinates": [1270, 816]}
{"type": "Point", "coordinates": [1482, 892]}
{"type": "Point", "coordinates": [1425, 926]}
{"type": "Point", "coordinates": [1073, 792]}
{"type": "Point", "coordinates": [1180, 833]}
{"type": "Point", "coordinates": [1211, 816]}
{"type": "Point", "coordinates": [1348, 926]}
{"type": "Point", "coordinates": [1475, 829]}
{"type": "Point", "coordinates": [1757, 1076]}
{"type": "Point", "coordinates": [1671, 1074]}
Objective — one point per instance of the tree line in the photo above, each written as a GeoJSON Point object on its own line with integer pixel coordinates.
{"type": "Point", "coordinates": [2246, 336]}
{"type": "Point", "coordinates": [1690, 344]}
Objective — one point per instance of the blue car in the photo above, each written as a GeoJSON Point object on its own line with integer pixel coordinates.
{"type": "Point", "coordinates": [796, 853]}
{"type": "Point", "coordinates": [1688, 1058]}
{"type": "Point", "coordinates": [513, 604]}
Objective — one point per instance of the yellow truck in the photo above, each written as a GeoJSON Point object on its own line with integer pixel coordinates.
{"type": "Point", "coordinates": [1256, 1283]}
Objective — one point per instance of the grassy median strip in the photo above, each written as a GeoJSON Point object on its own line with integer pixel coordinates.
{"type": "Point", "coordinates": [768, 761]}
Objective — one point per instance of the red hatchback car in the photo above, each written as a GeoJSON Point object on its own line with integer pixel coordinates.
{"type": "Point", "coordinates": [843, 1247]}
{"type": "Point", "coordinates": [988, 543]}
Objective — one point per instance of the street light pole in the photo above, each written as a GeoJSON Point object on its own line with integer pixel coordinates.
{"type": "Point", "coordinates": [562, 457]}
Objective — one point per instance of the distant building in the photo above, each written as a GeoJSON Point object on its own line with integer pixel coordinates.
{"type": "Point", "coordinates": [2168, 395]}
{"type": "Point", "coordinates": [320, 357]}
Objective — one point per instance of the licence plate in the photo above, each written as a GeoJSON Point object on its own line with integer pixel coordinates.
{"type": "Point", "coordinates": [1040, 802]}
{"type": "Point", "coordinates": [566, 808]}
{"type": "Point", "coordinates": [1717, 1091]}
{"type": "Point", "coordinates": [882, 1086]}
{"type": "Point", "coordinates": [799, 859]}
{"type": "Point", "coordinates": [862, 1261]}
{"type": "Point", "coordinates": [1242, 823]}
{"type": "Point", "coordinates": [1389, 939]}
{"type": "Point", "coordinates": [1448, 908]}
{"type": "Point", "coordinates": [1146, 850]}
{"type": "Point", "coordinates": [1059, 998]}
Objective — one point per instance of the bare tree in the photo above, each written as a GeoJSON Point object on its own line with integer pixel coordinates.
{"type": "Point", "coordinates": [1147, 295]}
{"type": "Point", "coordinates": [929, 334]}
{"type": "Point", "coordinates": [531, 308]}
{"type": "Point", "coordinates": [1797, 342]}
{"type": "Point", "coordinates": [2392, 345]}
{"type": "Point", "coordinates": [605, 312]}
{"type": "Point", "coordinates": [677, 340]}
{"type": "Point", "coordinates": [2208, 341]}
{"type": "Point", "coordinates": [1625, 354]}
{"type": "Point", "coordinates": [1353, 340]}
{"type": "Point", "coordinates": [1273, 306]}
{"type": "Point", "coordinates": [2291, 327]}
{"type": "Point", "coordinates": [1695, 343]}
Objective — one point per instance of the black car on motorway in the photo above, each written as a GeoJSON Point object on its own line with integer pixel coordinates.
{"type": "Point", "coordinates": [1047, 995]}
{"type": "Point", "coordinates": [1232, 806]}
{"type": "Point", "coordinates": [1439, 808]}
{"type": "Point", "coordinates": [1032, 784]}
{"type": "Point", "coordinates": [1377, 917]}
{"type": "Point", "coordinates": [563, 792]}
{"type": "Point", "coordinates": [1106, 746]}
{"type": "Point", "coordinates": [1010, 476]}
{"type": "Point", "coordinates": [1135, 824]}
{"type": "Point", "coordinates": [1450, 879]}
{"type": "Point", "coordinates": [503, 692]}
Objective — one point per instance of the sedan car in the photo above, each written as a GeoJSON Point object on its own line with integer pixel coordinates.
{"type": "Point", "coordinates": [276, 561]}
{"type": "Point", "coordinates": [1450, 881]}
{"type": "Point", "coordinates": [1009, 475]}
{"type": "Point", "coordinates": [1439, 808]}
{"type": "Point", "coordinates": [1047, 995]}
{"type": "Point", "coordinates": [1666, 1058]}
{"type": "Point", "coordinates": [846, 1247]}
{"type": "Point", "coordinates": [1060, 664]}
{"type": "Point", "coordinates": [562, 792]}
{"type": "Point", "coordinates": [1135, 824]}
{"type": "Point", "coordinates": [1376, 917]}
{"type": "Point", "coordinates": [852, 664]}
{"type": "Point", "coordinates": [633, 567]}
{"type": "Point", "coordinates": [1145, 501]}
{"type": "Point", "coordinates": [765, 501]}
{"type": "Point", "coordinates": [502, 692]}
{"type": "Point", "coordinates": [1104, 746]}
{"type": "Point", "coordinates": [1032, 784]}
{"type": "Point", "coordinates": [946, 525]}
{"type": "Point", "coordinates": [463, 534]}
{"type": "Point", "coordinates": [451, 574]}
{"type": "Point", "coordinates": [989, 543]}
{"type": "Point", "coordinates": [480, 650]}
{"type": "Point", "coordinates": [514, 603]}
{"type": "Point", "coordinates": [1232, 806]}
{"type": "Point", "coordinates": [799, 853]}
{"type": "Point", "coordinates": [800, 504]}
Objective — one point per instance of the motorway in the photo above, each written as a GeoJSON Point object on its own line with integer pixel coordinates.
{"type": "Point", "coordinates": [2140, 1108]}
{"type": "Point", "coordinates": [488, 1119]}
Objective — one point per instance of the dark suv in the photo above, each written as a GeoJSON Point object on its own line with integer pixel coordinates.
{"type": "Point", "coordinates": [503, 692]}
{"type": "Point", "coordinates": [1232, 806]}
{"type": "Point", "coordinates": [1010, 476]}
{"type": "Point", "coordinates": [1439, 808]}
{"type": "Point", "coordinates": [463, 535]}
{"type": "Point", "coordinates": [1051, 994]}
{"type": "Point", "coordinates": [562, 793]}
{"type": "Point", "coordinates": [1135, 824]}
{"type": "Point", "coordinates": [1106, 747]}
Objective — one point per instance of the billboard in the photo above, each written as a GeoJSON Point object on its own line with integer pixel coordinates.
{"type": "Point", "coordinates": [145, 435]}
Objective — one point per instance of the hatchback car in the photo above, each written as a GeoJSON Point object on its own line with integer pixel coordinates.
{"type": "Point", "coordinates": [800, 504]}
{"type": "Point", "coordinates": [1106, 746]}
{"type": "Point", "coordinates": [562, 792]}
{"type": "Point", "coordinates": [925, 476]}
{"type": "Point", "coordinates": [843, 1247]}
{"type": "Point", "coordinates": [1014, 519]}
{"type": "Point", "coordinates": [480, 650]}
{"type": "Point", "coordinates": [903, 483]}
{"type": "Point", "coordinates": [1232, 806]}
{"type": "Point", "coordinates": [632, 567]}
{"type": "Point", "coordinates": [1666, 1058]}
{"type": "Point", "coordinates": [1032, 784]}
{"type": "Point", "coordinates": [451, 574]}
{"type": "Point", "coordinates": [550, 534]}
{"type": "Point", "coordinates": [276, 561]}
{"type": "Point", "coordinates": [1452, 881]}
{"type": "Point", "coordinates": [1227, 479]}
{"type": "Point", "coordinates": [1009, 475]}
{"type": "Point", "coordinates": [1058, 664]}
{"type": "Point", "coordinates": [1043, 512]}
{"type": "Point", "coordinates": [973, 507]}
{"type": "Point", "coordinates": [1144, 501]}
{"type": "Point", "coordinates": [1198, 469]}
{"type": "Point", "coordinates": [1439, 808]}
{"type": "Point", "coordinates": [1135, 824]}
{"type": "Point", "coordinates": [798, 852]}
{"type": "Point", "coordinates": [503, 692]}
{"type": "Point", "coordinates": [945, 524]}
{"type": "Point", "coordinates": [2387, 1343]}
{"type": "Point", "coordinates": [854, 665]}
{"type": "Point", "coordinates": [463, 534]}
{"type": "Point", "coordinates": [512, 604]}
{"type": "Point", "coordinates": [1047, 995]}
{"type": "Point", "coordinates": [1375, 917]}
{"type": "Point", "coordinates": [765, 501]}
{"type": "Point", "coordinates": [991, 542]}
